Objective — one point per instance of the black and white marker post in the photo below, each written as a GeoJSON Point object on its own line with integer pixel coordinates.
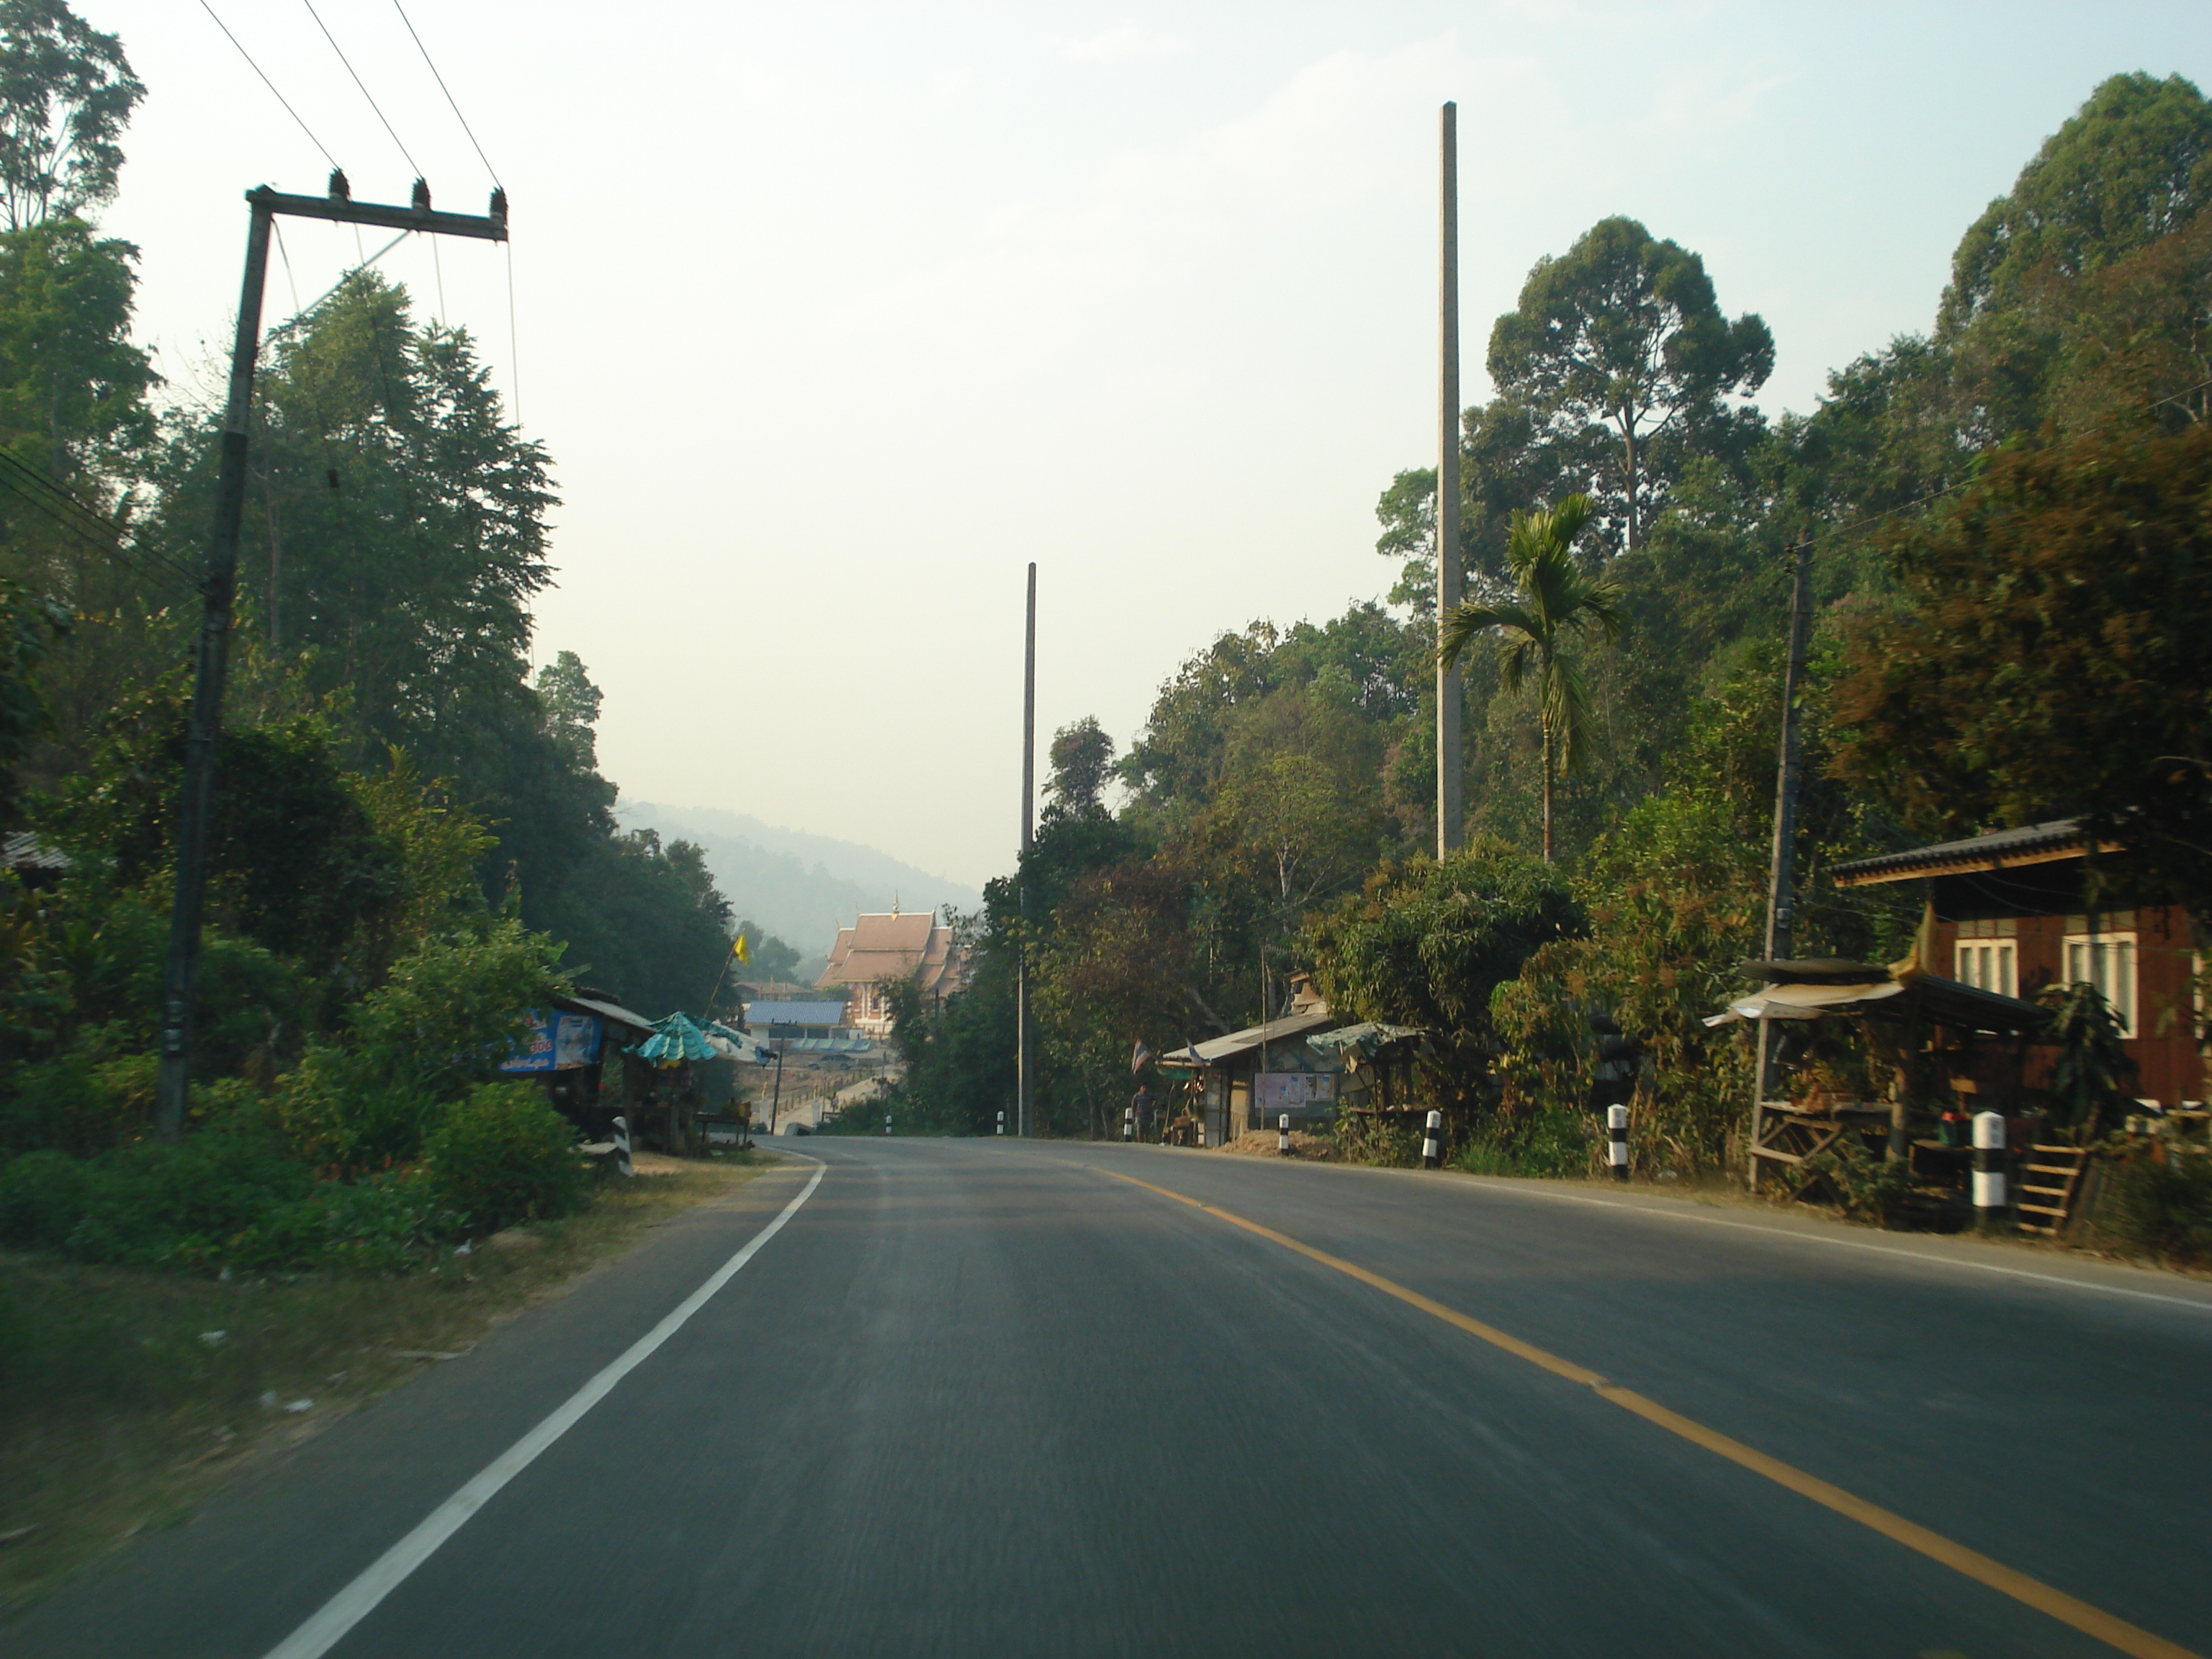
{"type": "Point", "coordinates": [887, 1122]}
{"type": "Point", "coordinates": [1989, 1166]}
{"type": "Point", "coordinates": [1002, 1123]}
{"type": "Point", "coordinates": [1616, 1152]}
{"type": "Point", "coordinates": [1283, 1135]}
{"type": "Point", "coordinates": [1432, 1147]}
{"type": "Point", "coordinates": [622, 1146]}
{"type": "Point", "coordinates": [1128, 1123]}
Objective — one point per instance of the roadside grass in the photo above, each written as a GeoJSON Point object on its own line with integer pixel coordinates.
{"type": "Point", "coordinates": [127, 1396]}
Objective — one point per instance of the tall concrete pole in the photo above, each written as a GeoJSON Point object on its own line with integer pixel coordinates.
{"type": "Point", "coordinates": [1789, 773]}
{"type": "Point", "coordinates": [1025, 1043]}
{"type": "Point", "coordinates": [1451, 772]}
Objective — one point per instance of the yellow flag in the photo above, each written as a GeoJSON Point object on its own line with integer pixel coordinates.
{"type": "Point", "coordinates": [740, 949]}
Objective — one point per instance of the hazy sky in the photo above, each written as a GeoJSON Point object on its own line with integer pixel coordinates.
{"type": "Point", "coordinates": [835, 317]}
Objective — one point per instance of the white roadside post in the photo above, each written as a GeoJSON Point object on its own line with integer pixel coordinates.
{"type": "Point", "coordinates": [1989, 1166]}
{"type": "Point", "coordinates": [1002, 1123]}
{"type": "Point", "coordinates": [1128, 1123]}
{"type": "Point", "coordinates": [1616, 1152]}
{"type": "Point", "coordinates": [1283, 1135]}
{"type": "Point", "coordinates": [622, 1146]}
{"type": "Point", "coordinates": [1432, 1147]}
{"type": "Point", "coordinates": [887, 1122]}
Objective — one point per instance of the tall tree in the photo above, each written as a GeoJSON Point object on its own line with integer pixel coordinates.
{"type": "Point", "coordinates": [399, 515]}
{"type": "Point", "coordinates": [2054, 659]}
{"type": "Point", "coordinates": [66, 92]}
{"type": "Point", "coordinates": [1622, 335]}
{"type": "Point", "coordinates": [2132, 165]}
{"type": "Point", "coordinates": [1082, 763]}
{"type": "Point", "coordinates": [1555, 600]}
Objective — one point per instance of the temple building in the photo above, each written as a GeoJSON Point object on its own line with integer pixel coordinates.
{"type": "Point", "coordinates": [878, 949]}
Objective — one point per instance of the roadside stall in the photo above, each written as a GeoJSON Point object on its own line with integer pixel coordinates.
{"type": "Point", "coordinates": [1379, 1062]}
{"type": "Point", "coordinates": [567, 1046]}
{"type": "Point", "coordinates": [1889, 1062]}
{"type": "Point", "coordinates": [682, 1062]}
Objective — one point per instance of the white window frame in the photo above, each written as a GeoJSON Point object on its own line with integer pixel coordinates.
{"type": "Point", "coordinates": [2109, 962]}
{"type": "Point", "coordinates": [1988, 964]}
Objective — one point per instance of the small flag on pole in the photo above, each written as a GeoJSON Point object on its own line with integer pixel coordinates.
{"type": "Point", "coordinates": [1137, 1056]}
{"type": "Point", "coordinates": [740, 949]}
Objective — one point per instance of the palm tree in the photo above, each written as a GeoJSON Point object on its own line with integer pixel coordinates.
{"type": "Point", "coordinates": [1556, 600]}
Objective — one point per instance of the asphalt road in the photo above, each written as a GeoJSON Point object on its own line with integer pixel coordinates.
{"type": "Point", "coordinates": [982, 1398]}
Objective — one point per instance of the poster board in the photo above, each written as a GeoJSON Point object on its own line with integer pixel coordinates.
{"type": "Point", "coordinates": [1302, 1094]}
{"type": "Point", "coordinates": [556, 1041]}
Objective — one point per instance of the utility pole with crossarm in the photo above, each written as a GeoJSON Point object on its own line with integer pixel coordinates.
{"type": "Point", "coordinates": [195, 812]}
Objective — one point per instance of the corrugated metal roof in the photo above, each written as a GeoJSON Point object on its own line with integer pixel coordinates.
{"type": "Point", "coordinates": [2031, 843]}
{"type": "Point", "coordinates": [795, 1013]}
{"type": "Point", "coordinates": [613, 1011]}
{"type": "Point", "coordinates": [1294, 1026]}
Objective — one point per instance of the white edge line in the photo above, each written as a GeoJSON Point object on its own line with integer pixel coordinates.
{"type": "Point", "coordinates": [388, 1572]}
{"type": "Point", "coordinates": [1891, 1252]}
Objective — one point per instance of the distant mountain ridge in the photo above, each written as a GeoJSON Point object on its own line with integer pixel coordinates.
{"type": "Point", "coordinates": [798, 886]}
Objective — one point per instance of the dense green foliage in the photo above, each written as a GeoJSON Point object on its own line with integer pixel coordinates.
{"type": "Point", "coordinates": [413, 843]}
{"type": "Point", "coordinates": [2006, 518]}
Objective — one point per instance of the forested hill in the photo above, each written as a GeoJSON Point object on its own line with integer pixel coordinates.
{"type": "Point", "coordinates": [798, 886]}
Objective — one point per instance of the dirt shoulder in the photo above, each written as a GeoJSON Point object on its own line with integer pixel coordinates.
{"type": "Point", "coordinates": [129, 1397]}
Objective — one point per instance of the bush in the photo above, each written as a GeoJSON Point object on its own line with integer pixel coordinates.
{"type": "Point", "coordinates": [2162, 1203]}
{"type": "Point", "coordinates": [160, 1203]}
{"type": "Point", "coordinates": [1555, 1144]}
{"type": "Point", "coordinates": [42, 1198]}
{"type": "Point", "coordinates": [385, 1223]}
{"type": "Point", "coordinates": [502, 1156]}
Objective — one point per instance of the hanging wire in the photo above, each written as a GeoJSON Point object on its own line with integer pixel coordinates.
{"type": "Point", "coordinates": [442, 87]}
{"type": "Point", "coordinates": [76, 518]}
{"type": "Point", "coordinates": [276, 224]}
{"type": "Point", "coordinates": [1953, 488]}
{"type": "Point", "coordinates": [357, 81]}
{"type": "Point", "coordinates": [269, 84]}
{"type": "Point", "coordinates": [514, 347]}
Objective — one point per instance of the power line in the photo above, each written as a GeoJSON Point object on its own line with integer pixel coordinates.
{"type": "Point", "coordinates": [1953, 488]}
{"type": "Point", "coordinates": [269, 84]}
{"type": "Point", "coordinates": [440, 80]}
{"type": "Point", "coordinates": [333, 39]}
{"type": "Point", "coordinates": [146, 562]}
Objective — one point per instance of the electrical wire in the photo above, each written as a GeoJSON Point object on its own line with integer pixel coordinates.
{"type": "Point", "coordinates": [269, 84]}
{"type": "Point", "coordinates": [38, 492]}
{"type": "Point", "coordinates": [514, 347]}
{"type": "Point", "coordinates": [440, 80]}
{"type": "Point", "coordinates": [276, 224]}
{"type": "Point", "coordinates": [357, 81]}
{"type": "Point", "coordinates": [1953, 488]}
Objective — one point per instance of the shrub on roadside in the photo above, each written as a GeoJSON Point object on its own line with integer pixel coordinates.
{"type": "Point", "coordinates": [1557, 1143]}
{"type": "Point", "coordinates": [502, 1156]}
{"type": "Point", "coordinates": [2161, 1203]}
{"type": "Point", "coordinates": [226, 1196]}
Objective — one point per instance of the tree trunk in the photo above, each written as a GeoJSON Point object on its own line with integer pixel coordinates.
{"type": "Point", "coordinates": [1628, 443]}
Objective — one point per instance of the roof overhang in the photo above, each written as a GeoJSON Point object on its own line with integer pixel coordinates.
{"type": "Point", "coordinates": [2000, 849]}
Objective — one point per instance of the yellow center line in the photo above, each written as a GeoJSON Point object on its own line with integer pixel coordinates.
{"type": "Point", "coordinates": [2114, 1633]}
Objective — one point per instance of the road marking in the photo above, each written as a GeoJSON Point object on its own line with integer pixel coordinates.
{"type": "Point", "coordinates": [389, 1571]}
{"type": "Point", "coordinates": [1890, 1251]}
{"type": "Point", "coordinates": [2113, 1632]}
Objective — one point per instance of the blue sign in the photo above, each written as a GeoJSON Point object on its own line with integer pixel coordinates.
{"type": "Point", "coordinates": [556, 1043]}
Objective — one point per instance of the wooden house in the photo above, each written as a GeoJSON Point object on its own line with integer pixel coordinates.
{"type": "Point", "coordinates": [2012, 916]}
